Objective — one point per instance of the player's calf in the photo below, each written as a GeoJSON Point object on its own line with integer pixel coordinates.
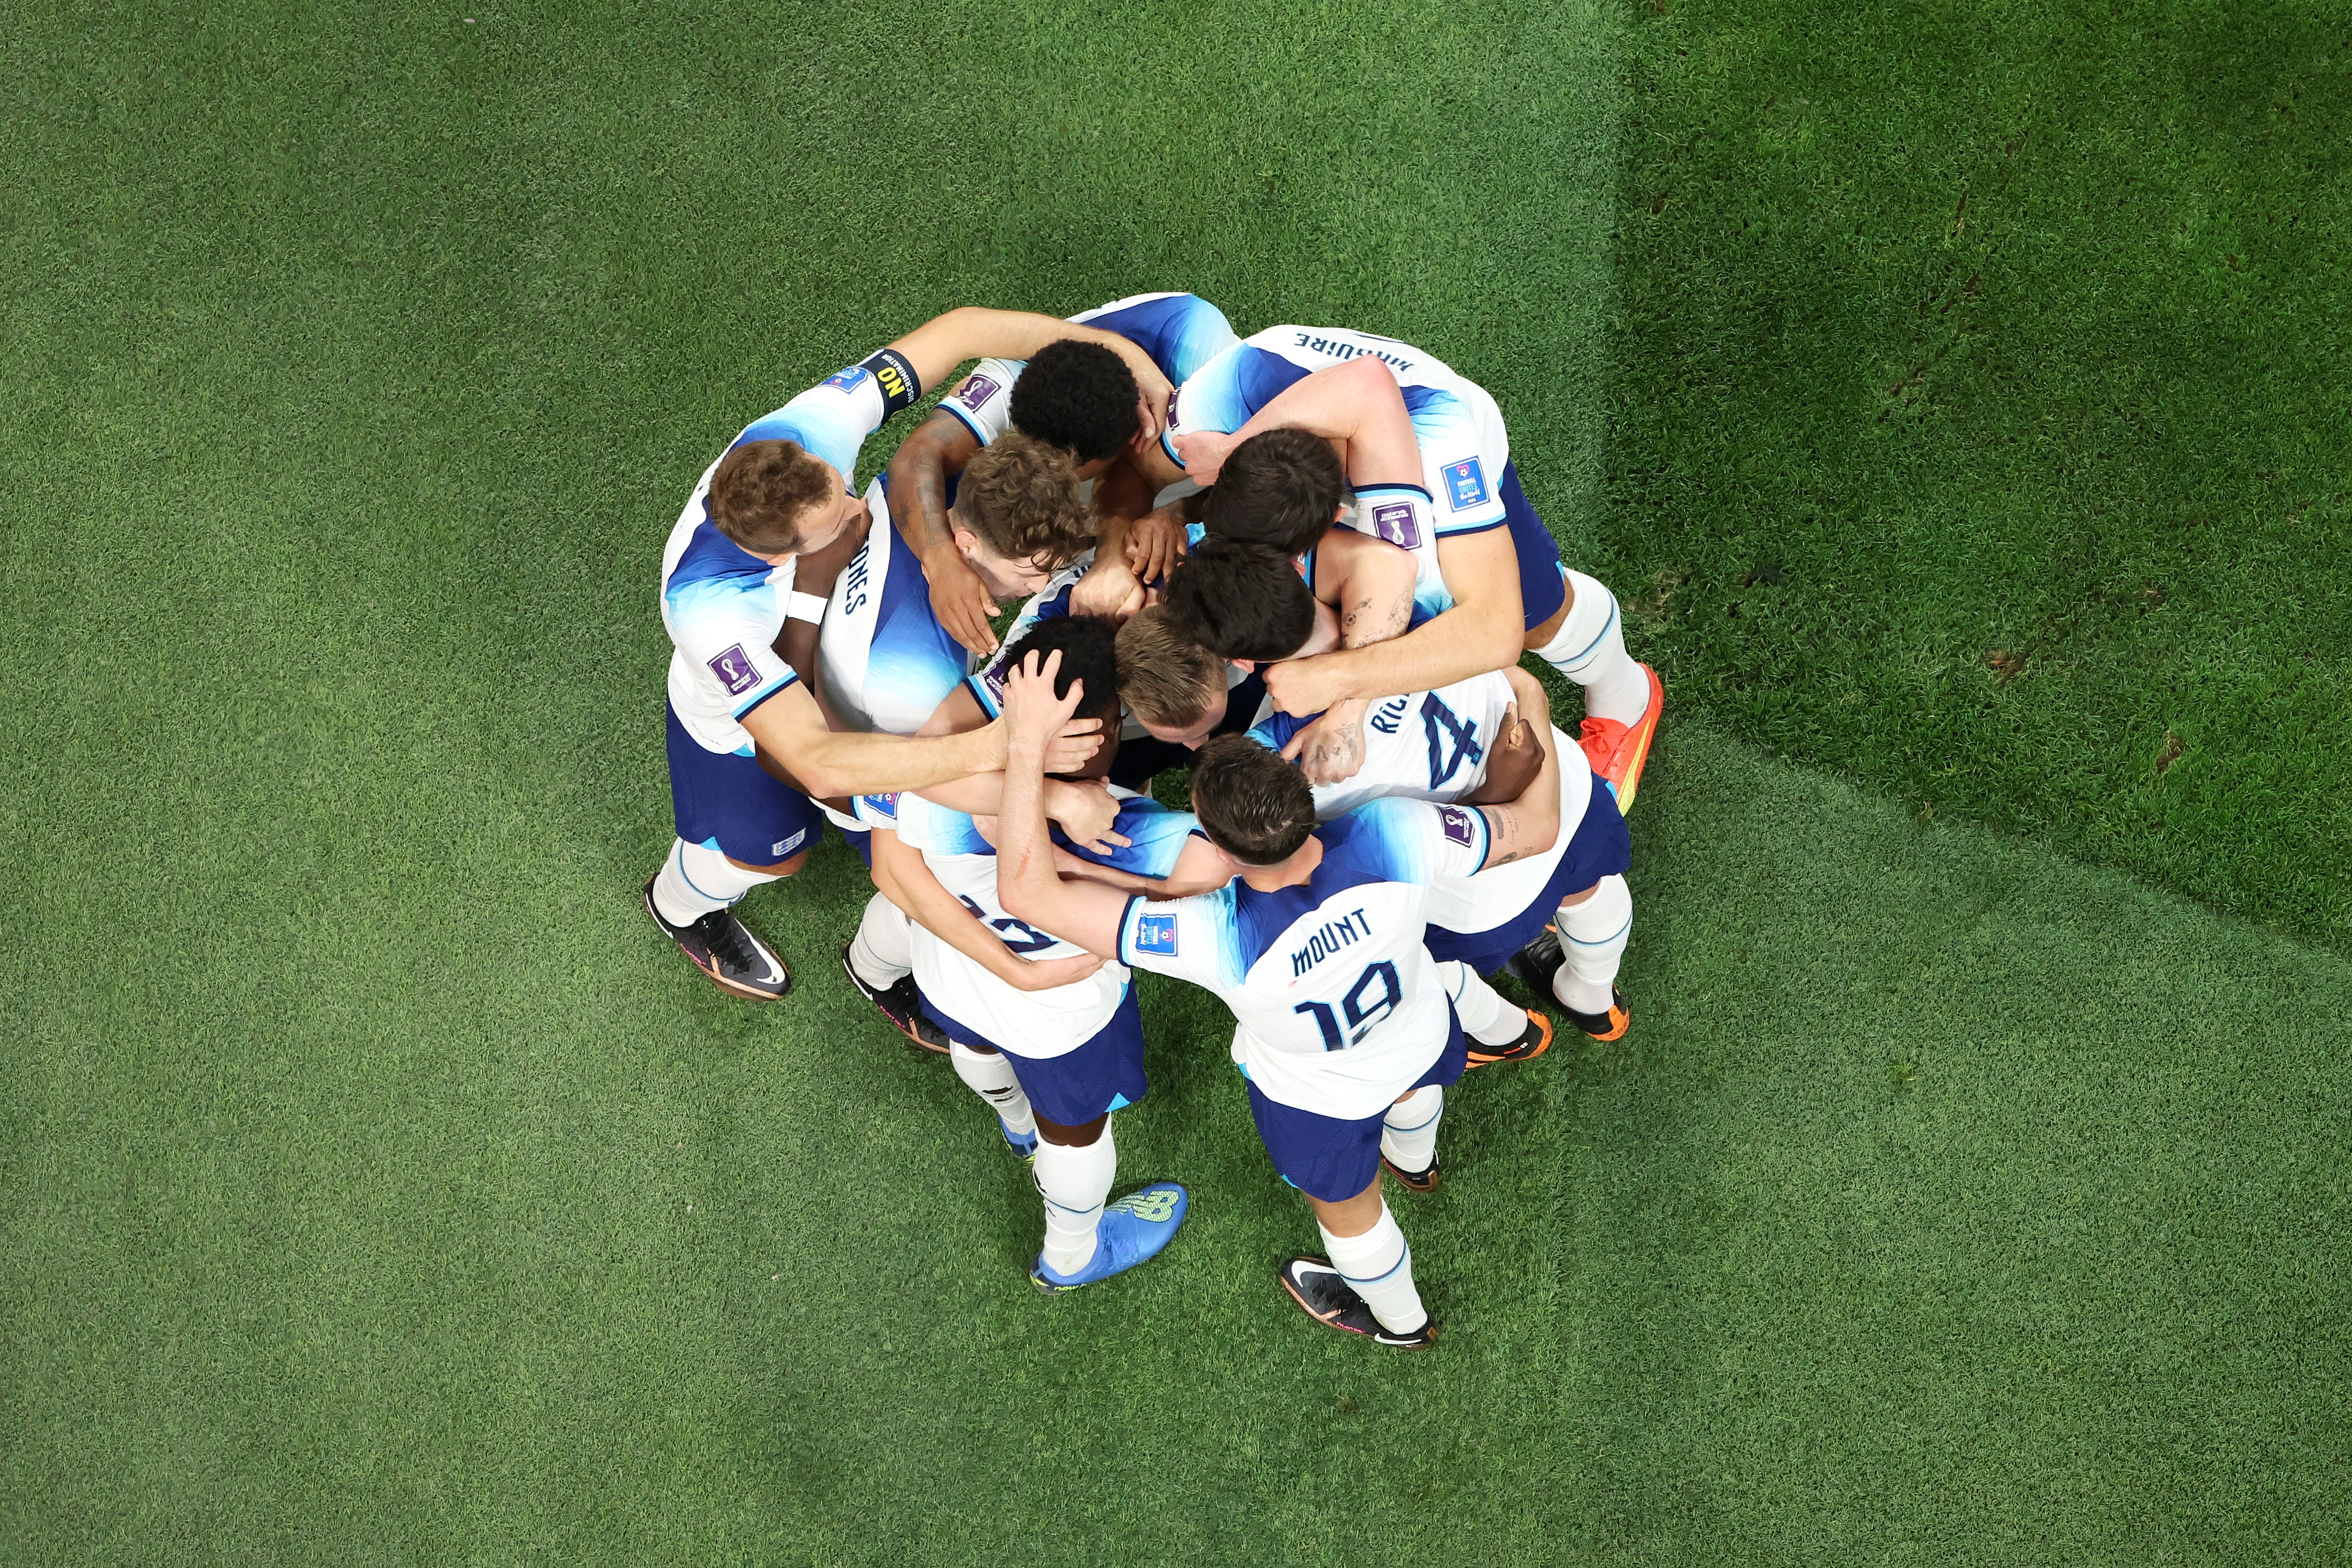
{"type": "Point", "coordinates": [1575, 960]}
{"type": "Point", "coordinates": [692, 900]}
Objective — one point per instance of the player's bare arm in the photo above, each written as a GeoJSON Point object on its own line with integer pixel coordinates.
{"type": "Point", "coordinates": [1111, 585]}
{"type": "Point", "coordinates": [1085, 914]}
{"type": "Point", "coordinates": [903, 878]}
{"type": "Point", "coordinates": [821, 762]}
{"type": "Point", "coordinates": [1529, 825]}
{"type": "Point", "coordinates": [1483, 631]}
{"type": "Point", "coordinates": [917, 490]}
{"type": "Point", "coordinates": [1356, 407]}
{"type": "Point", "coordinates": [1198, 870]}
{"type": "Point", "coordinates": [1368, 584]}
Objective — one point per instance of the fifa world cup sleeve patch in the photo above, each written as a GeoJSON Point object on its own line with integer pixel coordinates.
{"type": "Point", "coordinates": [735, 671]}
{"type": "Point", "coordinates": [977, 390]}
{"type": "Point", "coordinates": [1466, 485]}
{"type": "Point", "coordinates": [895, 373]}
{"type": "Point", "coordinates": [1458, 825]}
{"type": "Point", "coordinates": [1156, 935]}
{"type": "Point", "coordinates": [1394, 522]}
{"type": "Point", "coordinates": [881, 805]}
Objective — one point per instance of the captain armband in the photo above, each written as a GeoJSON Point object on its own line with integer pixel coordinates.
{"type": "Point", "coordinates": [895, 375]}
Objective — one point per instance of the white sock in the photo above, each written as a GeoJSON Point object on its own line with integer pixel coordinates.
{"type": "Point", "coordinates": [1075, 1182]}
{"type": "Point", "coordinates": [988, 1074]}
{"type": "Point", "coordinates": [1377, 1265]}
{"type": "Point", "coordinates": [697, 879]}
{"type": "Point", "coordinates": [1409, 1132]}
{"type": "Point", "coordinates": [1594, 935]}
{"type": "Point", "coordinates": [1486, 1016]}
{"type": "Point", "coordinates": [883, 952]}
{"type": "Point", "coordinates": [1590, 650]}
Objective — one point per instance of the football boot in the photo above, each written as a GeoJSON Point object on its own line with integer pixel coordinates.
{"type": "Point", "coordinates": [1617, 750]}
{"type": "Point", "coordinates": [729, 955]}
{"type": "Point", "coordinates": [1533, 1041]}
{"type": "Point", "coordinates": [1324, 1295]}
{"type": "Point", "coordinates": [1130, 1231]}
{"type": "Point", "coordinates": [902, 1005]}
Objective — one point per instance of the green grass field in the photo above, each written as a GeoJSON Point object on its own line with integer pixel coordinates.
{"type": "Point", "coordinates": [1970, 1189]}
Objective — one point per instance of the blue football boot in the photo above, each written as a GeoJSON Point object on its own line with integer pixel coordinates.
{"type": "Point", "coordinates": [1131, 1231]}
{"type": "Point", "coordinates": [1023, 1144]}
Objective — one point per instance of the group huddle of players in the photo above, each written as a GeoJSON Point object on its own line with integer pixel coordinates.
{"type": "Point", "coordinates": [1298, 565]}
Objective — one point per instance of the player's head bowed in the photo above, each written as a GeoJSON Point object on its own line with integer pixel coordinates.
{"type": "Point", "coordinates": [1080, 396]}
{"type": "Point", "coordinates": [1088, 647]}
{"type": "Point", "coordinates": [1251, 804]}
{"type": "Point", "coordinates": [1283, 488]}
{"type": "Point", "coordinates": [1242, 600]}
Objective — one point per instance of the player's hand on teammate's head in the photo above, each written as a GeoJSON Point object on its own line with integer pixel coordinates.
{"type": "Point", "coordinates": [1203, 453]}
{"type": "Point", "coordinates": [1033, 715]}
{"type": "Point", "coordinates": [1513, 762]}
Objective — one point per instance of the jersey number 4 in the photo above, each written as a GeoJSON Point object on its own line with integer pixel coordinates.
{"type": "Point", "coordinates": [1363, 1007]}
{"type": "Point", "coordinates": [1451, 742]}
{"type": "Point", "coordinates": [1032, 939]}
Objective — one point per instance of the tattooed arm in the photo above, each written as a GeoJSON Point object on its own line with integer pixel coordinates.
{"type": "Point", "coordinates": [1368, 584]}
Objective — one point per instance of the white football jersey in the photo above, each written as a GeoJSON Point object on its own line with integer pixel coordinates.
{"type": "Point", "coordinates": [1431, 745]}
{"type": "Point", "coordinates": [1036, 1024]}
{"type": "Point", "coordinates": [723, 606]}
{"type": "Point", "coordinates": [886, 661]}
{"type": "Point", "coordinates": [1337, 1006]}
{"type": "Point", "coordinates": [1182, 332]}
{"type": "Point", "coordinates": [1464, 444]}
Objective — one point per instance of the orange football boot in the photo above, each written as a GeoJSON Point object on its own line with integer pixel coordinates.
{"type": "Point", "coordinates": [1617, 751]}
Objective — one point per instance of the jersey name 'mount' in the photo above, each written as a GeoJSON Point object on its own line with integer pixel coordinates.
{"type": "Point", "coordinates": [1328, 938]}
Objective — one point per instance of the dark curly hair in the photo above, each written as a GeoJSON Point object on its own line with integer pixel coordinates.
{"type": "Point", "coordinates": [1077, 394]}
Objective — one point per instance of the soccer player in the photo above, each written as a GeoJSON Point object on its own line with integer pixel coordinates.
{"type": "Point", "coordinates": [1344, 1033]}
{"type": "Point", "coordinates": [1072, 394]}
{"type": "Point", "coordinates": [886, 663]}
{"type": "Point", "coordinates": [748, 745]}
{"type": "Point", "coordinates": [1491, 581]}
{"type": "Point", "coordinates": [1052, 1062]}
{"type": "Point", "coordinates": [1562, 917]}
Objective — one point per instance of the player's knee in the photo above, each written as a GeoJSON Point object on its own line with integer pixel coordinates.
{"type": "Point", "coordinates": [1081, 1136]}
{"type": "Point", "coordinates": [1572, 899]}
{"type": "Point", "coordinates": [1540, 635]}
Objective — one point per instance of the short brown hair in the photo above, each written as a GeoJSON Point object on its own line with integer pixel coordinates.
{"type": "Point", "coordinates": [761, 489]}
{"type": "Point", "coordinates": [1020, 496]}
{"type": "Point", "coordinates": [1253, 805]}
{"type": "Point", "coordinates": [1281, 488]}
{"type": "Point", "coordinates": [1165, 678]}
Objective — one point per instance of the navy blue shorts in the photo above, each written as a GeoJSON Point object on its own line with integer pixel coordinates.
{"type": "Point", "coordinates": [1325, 1157]}
{"type": "Point", "coordinates": [729, 803]}
{"type": "Point", "coordinates": [1543, 589]}
{"type": "Point", "coordinates": [1599, 847]}
{"type": "Point", "coordinates": [1073, 1088]}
